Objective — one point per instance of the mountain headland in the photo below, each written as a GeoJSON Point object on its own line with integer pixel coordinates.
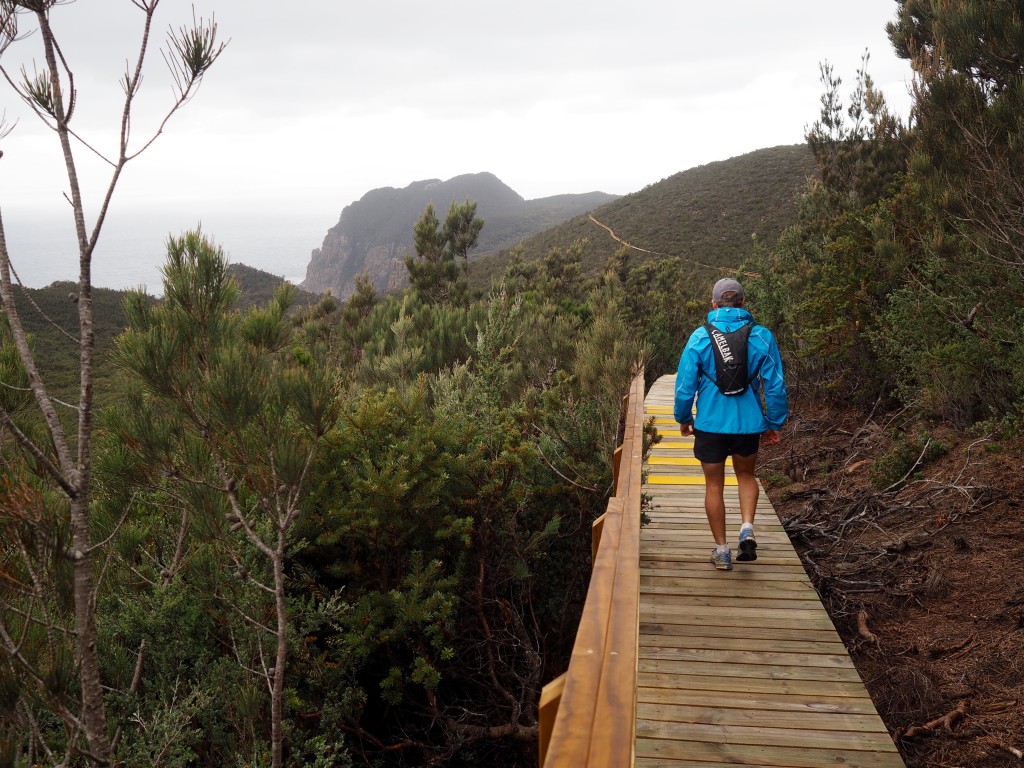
{"type": "Point", "coordinates": [374, 233]}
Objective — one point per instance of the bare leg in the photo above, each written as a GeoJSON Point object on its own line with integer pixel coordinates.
{"type": "Point", "coordinates": [743, 466]}
{"type": "Point", "coordinates": [714, 499]}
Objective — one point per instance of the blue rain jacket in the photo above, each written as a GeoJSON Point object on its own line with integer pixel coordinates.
{"type": "Point", "coordinates": [732, 414]}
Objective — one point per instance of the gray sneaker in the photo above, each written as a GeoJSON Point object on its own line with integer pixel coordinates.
{"type": "Point", "coordinates": [721, 560]}
{"type": "Point", "coordinates": [748, 546]}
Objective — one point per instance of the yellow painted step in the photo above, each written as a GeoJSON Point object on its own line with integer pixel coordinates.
{"type": "Point", "coordinates": [668, 441]}
{"type": "Point", "coordinates": [683, 480]}
{"type": "Point", "coordinates": [658, 410]}
{"type": "Point", "coordinates": [680, 461]}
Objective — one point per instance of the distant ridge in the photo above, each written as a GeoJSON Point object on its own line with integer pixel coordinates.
{"type": "Point", "coordinates": [707, 215]}
{"type": "Point", "coordinates": [50, 315]}
{"type": "Point", "coordinates": [374, 233]}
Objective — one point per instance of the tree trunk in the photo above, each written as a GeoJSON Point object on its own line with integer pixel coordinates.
{"type": "Point", "coordinates": [277, 695]}
{"type": "Point", "coordinates": [94, 716]}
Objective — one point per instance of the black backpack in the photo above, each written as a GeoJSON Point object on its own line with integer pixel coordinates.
{"type": "Point", "coordinates": [730, 348]}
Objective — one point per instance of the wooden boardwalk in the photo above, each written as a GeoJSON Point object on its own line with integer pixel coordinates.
{"type": "Point", "coordinates": [741, 667]}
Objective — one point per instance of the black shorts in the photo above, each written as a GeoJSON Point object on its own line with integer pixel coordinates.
{"type": "Point", "coordinates": [716, 447]}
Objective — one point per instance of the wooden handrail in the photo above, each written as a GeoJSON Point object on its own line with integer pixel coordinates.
{"type": "Point", "coordinates": [591, 723]}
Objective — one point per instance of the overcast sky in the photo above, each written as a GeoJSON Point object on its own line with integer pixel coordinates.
{"type": "Point", "coordinates": [315, 103]}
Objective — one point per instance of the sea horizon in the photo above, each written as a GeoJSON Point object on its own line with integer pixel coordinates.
{"type": "Point", "coordinates": [132, 246]}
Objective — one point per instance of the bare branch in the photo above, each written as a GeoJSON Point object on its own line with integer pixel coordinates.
{"type": "Point", "coordinates": [136, 680]}
{"type": "Point", "coordinates": [36, 731]}
{"type": "Point", "coordinates": [192, 51]}
{"type": "Point", "coordinates": [14, 654]}
{"type": "Point", "coordinates": [5, 127]}
{"type": "Point", "coordinates": [28, 297]}
{"type": "Point", "coordinates": [44, 461]}
{"type": "Point", "coordinates": [249, 619]}
{"type": "Point", "coordinates": [117, 527]}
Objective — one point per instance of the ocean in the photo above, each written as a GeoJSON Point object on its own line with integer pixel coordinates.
{"type": "Point", "coordinates": [132, 245]}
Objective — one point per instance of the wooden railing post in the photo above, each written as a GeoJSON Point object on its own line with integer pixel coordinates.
{"type": "Point", "coordinates": [596, 529]}
{"type": "Point", "coordinates": [616, 464]}
{"type": "Point", "coordinates": [550, 696]}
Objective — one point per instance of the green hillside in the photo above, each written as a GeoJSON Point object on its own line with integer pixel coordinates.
{"type": "Point", "coordinates": [258, 287]}
{"type": "Point", "coordinates": [50, 315]}
{"type": "Point", "coordinates": [706, 214]}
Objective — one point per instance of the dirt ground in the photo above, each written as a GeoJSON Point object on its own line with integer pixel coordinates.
{"type": "Point", "coordinates": [913, 536]}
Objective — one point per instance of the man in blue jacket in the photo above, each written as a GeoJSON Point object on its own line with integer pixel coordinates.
{"type": "Point", "coordinates": [730, 424]}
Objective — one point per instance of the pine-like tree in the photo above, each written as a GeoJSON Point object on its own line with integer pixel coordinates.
{"type": "Point", "coordinates": [437, 270]}
{"type": "Point", "coordinates": [246, 400]}
{"type": "Point", "coordinates": [48, 467]}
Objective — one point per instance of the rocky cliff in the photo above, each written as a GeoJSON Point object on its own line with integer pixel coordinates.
{"type": "Point", "coordinates": [374, 233]}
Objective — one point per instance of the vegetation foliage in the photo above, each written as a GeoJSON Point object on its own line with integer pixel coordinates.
{"type": "Point", "coordinates": [900, 278]}
{"type": "Point", "coordinates": [325, 534]}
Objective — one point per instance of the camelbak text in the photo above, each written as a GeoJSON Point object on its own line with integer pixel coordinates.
{"type": "Point", "coordinates": [723, 347]}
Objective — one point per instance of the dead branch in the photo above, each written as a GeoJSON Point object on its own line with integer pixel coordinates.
{"type": "Point", "coordinates": [991, 741]}
{"type": "Point", "coordinates": [911, 470]}
{"type": "Point", "coordinates": [958, 650]}
{"type": "Point", "coordinates": [863, 631]}
{"type": "Point", "coordinates": [947, 723]}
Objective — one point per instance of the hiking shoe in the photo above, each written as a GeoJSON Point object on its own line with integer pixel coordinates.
{"type": "Point", "coordinates": [748, 546]}
{"type": "Point", "coordinates": [721, 560]}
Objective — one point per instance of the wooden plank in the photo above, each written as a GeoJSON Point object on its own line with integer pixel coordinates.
{"type": "Point", "coordinates": [660, 753]}
{"type": "Point", "coordinates": [791, 738]}
{"type": "Point", "coordinates": [679, 461]}
{"type": "Point", "coordinates": [811, 690]}
{"type": "Point", "coordinates": [753, 574]}
{"type": "Point", "coordinates": [667, 640]}
{"type": "Point", "coordinates": [744, 658]}
{"type": "Point", "coordinates": [709, 712]}
{"type": "Point", "coordinates": [687, 626]}
{"type": "Point", "coordinates": [746, 700]}
{"type": "Point", "coordinates": [754, 618]}
{"type": "Point", "coordinates": [786, 603]}
{"type": "Point", "coordinates": [699, 563]}
{"type": "Point", "coordinates": [742, 592]}
{"type": "Point", "coordinates": [750, 671]}
{"type": "Point", "coordinates": [686, 527]}
{"type": "Point", "coordinates": [683, 480]}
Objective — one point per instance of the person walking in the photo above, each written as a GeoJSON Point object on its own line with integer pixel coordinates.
{"type": "Point", "coordinates": [737, 410]}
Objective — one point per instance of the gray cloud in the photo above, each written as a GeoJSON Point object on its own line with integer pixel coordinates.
{"type": "Point", "coordinates": [348, 96]}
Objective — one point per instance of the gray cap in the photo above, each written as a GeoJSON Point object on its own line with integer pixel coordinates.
{"type": "Point", "coordinates": [727, 285]}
